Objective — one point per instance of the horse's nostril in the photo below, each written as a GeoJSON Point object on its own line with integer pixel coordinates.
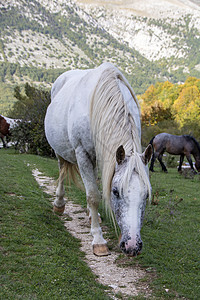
{"type": "Point", "coordinates": [122, 246]}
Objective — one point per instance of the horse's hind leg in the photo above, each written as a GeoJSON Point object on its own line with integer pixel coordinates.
{"type": "Point", "coordinates": [93, 198]}
{"type": "Point", "coordinates": [59, 203]}
{"type": "Point", "coordinates": [161, 163]}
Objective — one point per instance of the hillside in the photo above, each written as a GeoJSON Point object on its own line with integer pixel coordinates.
{"type": "Point", "coordinates": [157, 29]}
{"type": "Point", "coordinates": [41, 39]}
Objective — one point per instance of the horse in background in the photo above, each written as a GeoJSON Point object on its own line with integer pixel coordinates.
{"type": "Point", "coordinates": [6, 125]}
{"type": "Point", "coordinates": [94, 120]}
{"type": "Point", "coordinates": [183, 145]}
{"type": "Point", "coordinates": [4, 130]}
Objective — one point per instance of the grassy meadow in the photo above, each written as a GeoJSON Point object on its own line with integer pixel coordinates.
{"type": "Point", "coordinates": [40, 260]}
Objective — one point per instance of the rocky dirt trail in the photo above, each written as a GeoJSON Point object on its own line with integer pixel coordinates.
{"type": "Point", "coordinates": [123, 280]}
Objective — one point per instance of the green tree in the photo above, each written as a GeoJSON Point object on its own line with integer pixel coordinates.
{"type": "Point", "coordinates": [30, 108]}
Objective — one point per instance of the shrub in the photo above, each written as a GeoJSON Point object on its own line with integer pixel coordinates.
{"type": "Point", "coordinates": [31, 109]}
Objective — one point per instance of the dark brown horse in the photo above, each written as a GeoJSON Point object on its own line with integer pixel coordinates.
{"type": "Point", "coordinates": [183, 145]}
{"type": "Point", "coordinates": [4, 130]}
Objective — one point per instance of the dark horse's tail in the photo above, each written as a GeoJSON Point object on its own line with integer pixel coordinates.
{"type": "Point", "coordinates": [152, 158]}
{"type": "Point", "coordinates": [151, 141]}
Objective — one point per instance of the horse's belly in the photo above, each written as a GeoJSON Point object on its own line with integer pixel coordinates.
{"type": "Point", "coordinates": [57, 134]}
{"type": "Point", "coordinates": [67, 130]}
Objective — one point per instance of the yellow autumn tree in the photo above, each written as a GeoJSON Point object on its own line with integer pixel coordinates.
{"type": "Point", "coordinates": [173, 108]}
{"type": "Point", "coordinates": [187, 106]}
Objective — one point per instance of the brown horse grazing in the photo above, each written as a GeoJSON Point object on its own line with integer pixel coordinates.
{"type": "Point", "coordinates": [183, 145]}
{"type": "Point", "coordinates": [4, 130]}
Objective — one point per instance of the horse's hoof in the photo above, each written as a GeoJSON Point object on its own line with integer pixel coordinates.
{"type": "Point", "coordinates": [101, 250]}
{"type": "Point", "coordinates": [59, 210]}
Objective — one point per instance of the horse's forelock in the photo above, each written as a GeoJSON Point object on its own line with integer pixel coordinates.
{"type": "Point", "coordinates": [135, 163]}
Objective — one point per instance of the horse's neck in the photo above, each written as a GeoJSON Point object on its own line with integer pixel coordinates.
{"type": "Point", "coordinates": [196, 152]}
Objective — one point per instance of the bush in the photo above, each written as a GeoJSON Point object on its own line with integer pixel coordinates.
{"type": "Point", "coordinates": [31, 109]}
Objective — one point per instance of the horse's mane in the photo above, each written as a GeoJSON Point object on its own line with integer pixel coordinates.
{"type": "Point", "coordinates": [189, 138]}
{"type": "Point", "coordinates": [113, 125]}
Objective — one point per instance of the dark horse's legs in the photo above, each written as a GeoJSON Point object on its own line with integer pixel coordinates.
{"type": "Point", "coordinates": [152, 162]}
{"type": "Point", "coordinates": [161, 162]}
{"type": "Point", "coordinates": [4, 144]}
{"type": "Point", "coordinates": [188, 156]}
{"type": "Point", "coordinates": [181, 162]}
{"type": "Point", "coordinates": [190, 161]}
{"type": "Point", "coordinates": [159, 156]}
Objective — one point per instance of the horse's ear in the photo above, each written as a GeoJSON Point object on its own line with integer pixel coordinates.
{"type": "Point", "coordinates": [146, 155]}
{"type": "Point", "coordinates": [120, 155]}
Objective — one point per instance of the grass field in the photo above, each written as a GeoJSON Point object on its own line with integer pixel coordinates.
{"type": "Point", "coordinates": [40, 260]}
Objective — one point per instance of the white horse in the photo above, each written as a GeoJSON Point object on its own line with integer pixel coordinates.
{"type": "Point", "coordinates": [94, 119]}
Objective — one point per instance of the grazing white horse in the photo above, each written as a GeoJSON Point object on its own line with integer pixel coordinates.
{"type": "Point", "coordinates": [94, 119]}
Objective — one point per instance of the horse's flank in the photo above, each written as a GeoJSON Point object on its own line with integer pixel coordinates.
{"type": "Point", "coordinates": [4, 126]}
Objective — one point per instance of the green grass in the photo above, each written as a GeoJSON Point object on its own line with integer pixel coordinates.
{"type": "Point", "coordinates": [42, 261]}
{"type": "Point", "coordinates": [171, 235]}
{"type": "Point", "coordinates": [39, 258]}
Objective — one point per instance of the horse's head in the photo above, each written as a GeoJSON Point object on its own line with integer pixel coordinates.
{"type": "Point", "coordinates": [129, 191]}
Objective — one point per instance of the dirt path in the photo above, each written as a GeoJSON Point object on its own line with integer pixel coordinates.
{"type": "Point", "coordinates": [124, 280]}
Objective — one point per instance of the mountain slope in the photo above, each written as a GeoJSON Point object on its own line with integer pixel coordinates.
{"type": "Point", "coordinates": [157, 29]}
{"type": "Point", "coordinates": [41, 39]}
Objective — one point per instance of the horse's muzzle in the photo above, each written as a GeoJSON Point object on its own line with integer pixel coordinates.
{"type": "Point", "coordinates": [129, 249]}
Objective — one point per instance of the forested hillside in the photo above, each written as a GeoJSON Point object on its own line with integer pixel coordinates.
{"type": "Point", "coordinates": [41, 39]}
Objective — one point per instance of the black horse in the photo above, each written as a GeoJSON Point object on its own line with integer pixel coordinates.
{"type": "Point", "coordinates": [183, 145]}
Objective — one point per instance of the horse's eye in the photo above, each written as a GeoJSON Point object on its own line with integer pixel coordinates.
{"type": "Point", "coordinates": [115, 192]}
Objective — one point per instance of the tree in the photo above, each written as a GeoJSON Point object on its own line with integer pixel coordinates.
{"type": "Point", "coordinates": [187, 106]}
{"type": "Point", "coordinates": [31, 109]}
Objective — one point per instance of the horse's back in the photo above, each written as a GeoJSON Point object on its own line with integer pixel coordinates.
{"type": "Point", "coordinates": [63, 79]}
{"type": "Point", "coordinates": [67, 119]}
{"type": "Point", "coordinates": [173, 144]}
{"type": "Point", "coordinates": [75, 76]}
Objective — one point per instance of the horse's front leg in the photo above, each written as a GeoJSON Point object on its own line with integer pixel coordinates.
{"type": "Point", "coordinates": [181, 162]}
{"type": "Point", "coordinates": [188, 156]}
{"type": "Point", "coordinates": [59, 203]}
{"type": "Point", "coordinates": [93, 198]}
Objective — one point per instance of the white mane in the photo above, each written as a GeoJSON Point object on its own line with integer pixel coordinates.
{"type": "Point", "coordinates": [113, 125]}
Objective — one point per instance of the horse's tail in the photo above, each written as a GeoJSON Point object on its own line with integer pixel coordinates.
{"type": "Point", "coordinates": [71, 172]}
{"type": "Point", "coordinates": [151, 141]}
